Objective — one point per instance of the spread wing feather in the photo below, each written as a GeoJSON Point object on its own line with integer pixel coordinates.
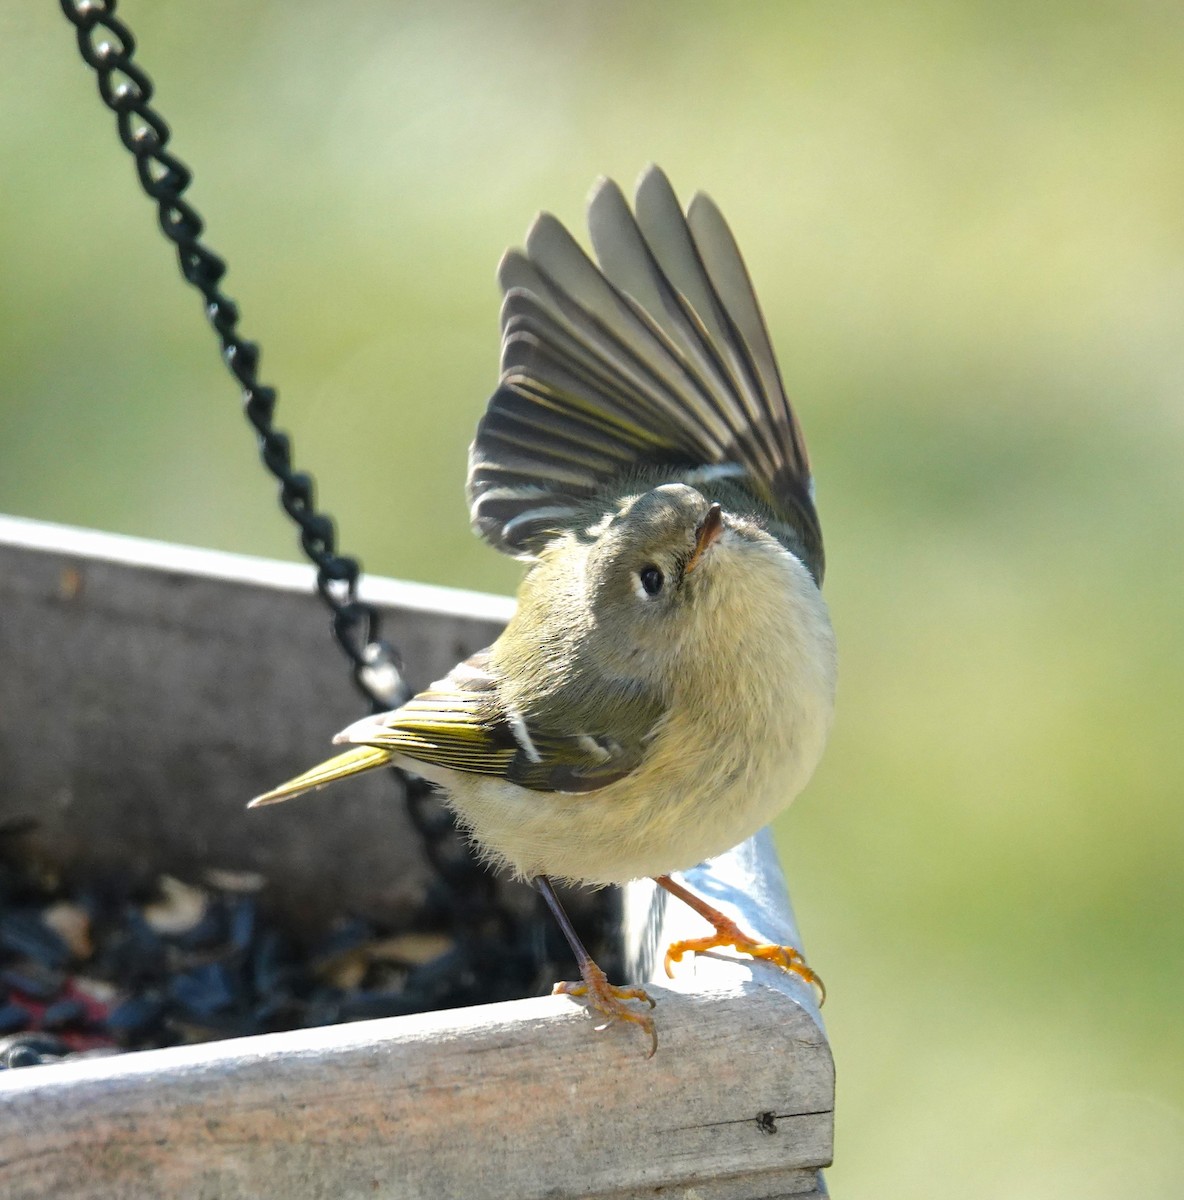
{"type": "Point", "coordinates": [655, 356]}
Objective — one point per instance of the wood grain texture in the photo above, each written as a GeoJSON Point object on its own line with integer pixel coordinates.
{"type": "Point", "coordinates": [518, 1100]}
{"type": "Point", "coordinates": [148, 691]}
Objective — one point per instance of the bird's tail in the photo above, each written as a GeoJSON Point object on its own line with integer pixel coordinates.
{"type": "Point", "coordinates": [342, 766]}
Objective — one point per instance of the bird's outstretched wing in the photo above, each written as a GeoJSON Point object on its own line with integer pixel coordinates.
{"type": "Point", "coordinates": [658, 357]}
{"type": "Point", "coordinates": [461, 724]}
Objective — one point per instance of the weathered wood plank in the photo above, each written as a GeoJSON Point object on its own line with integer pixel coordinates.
{"type": "Point", "coordinates": [147, 691]}
{"type": "Point", "coordinates": [514, 1100]}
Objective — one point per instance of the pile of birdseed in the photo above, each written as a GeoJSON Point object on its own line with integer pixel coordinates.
{"type": "Point", "coordinates": [92, 969]}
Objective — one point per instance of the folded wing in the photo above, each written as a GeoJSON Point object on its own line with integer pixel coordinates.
{"type": "Point", "coordinates": [461, 724]}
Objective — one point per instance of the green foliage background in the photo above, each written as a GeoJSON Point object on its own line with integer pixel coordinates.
{"type": "Point", "coordinates": [966, 223]}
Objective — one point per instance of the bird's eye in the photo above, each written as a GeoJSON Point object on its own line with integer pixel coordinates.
{"type": "Point", "coordinates": [651, 579]}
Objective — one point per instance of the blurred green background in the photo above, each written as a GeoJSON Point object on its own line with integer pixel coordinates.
{"type": "Point", "coordinates": [966, 223]}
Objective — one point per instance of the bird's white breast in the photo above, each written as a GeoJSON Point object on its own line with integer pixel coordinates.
{"type": "Point", "coordinates": [752, 695]}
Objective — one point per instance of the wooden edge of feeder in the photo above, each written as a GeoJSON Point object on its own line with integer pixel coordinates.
{"type": "Point", "coordinates": [31, 534]}
{"type": "Point", "coordinates": [150, 690]}
{"type": "Point", "coordinates": [522, 1099]}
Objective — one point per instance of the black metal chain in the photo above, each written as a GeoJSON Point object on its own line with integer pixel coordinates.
{"type": "Point", "coordinates": [107, 46]}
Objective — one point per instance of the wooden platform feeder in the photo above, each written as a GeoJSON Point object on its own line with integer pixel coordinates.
{"type": "Point", "coordinates": [146, 692]}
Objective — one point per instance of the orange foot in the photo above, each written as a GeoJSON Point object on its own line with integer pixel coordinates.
{"type": "Point", "coordinates": [609, 1000]}
{"type": "Point", "coordinates": [728, 933]}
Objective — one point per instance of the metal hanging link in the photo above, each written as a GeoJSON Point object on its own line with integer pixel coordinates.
{"type": "Point", "coordinates": [107, 45]}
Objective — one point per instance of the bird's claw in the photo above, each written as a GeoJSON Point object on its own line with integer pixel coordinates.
{"type": "Point", "coordinates": [611, 1001]}
{"type": "Point", "coordinates": [727, 933]}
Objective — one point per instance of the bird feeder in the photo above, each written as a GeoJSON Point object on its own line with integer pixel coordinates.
{"type": "Point", "coordinates": [148, 690]}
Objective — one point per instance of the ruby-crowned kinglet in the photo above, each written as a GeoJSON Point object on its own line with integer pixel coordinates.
{"type": "Point", "coordinates": [666, 685]}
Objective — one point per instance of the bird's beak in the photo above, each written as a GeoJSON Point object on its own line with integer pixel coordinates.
{"type": "Point", "coordinates": [708, 531]}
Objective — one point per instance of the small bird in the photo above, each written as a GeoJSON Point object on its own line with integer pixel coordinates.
{"type": "Point", "coordinates": [667, 682]}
